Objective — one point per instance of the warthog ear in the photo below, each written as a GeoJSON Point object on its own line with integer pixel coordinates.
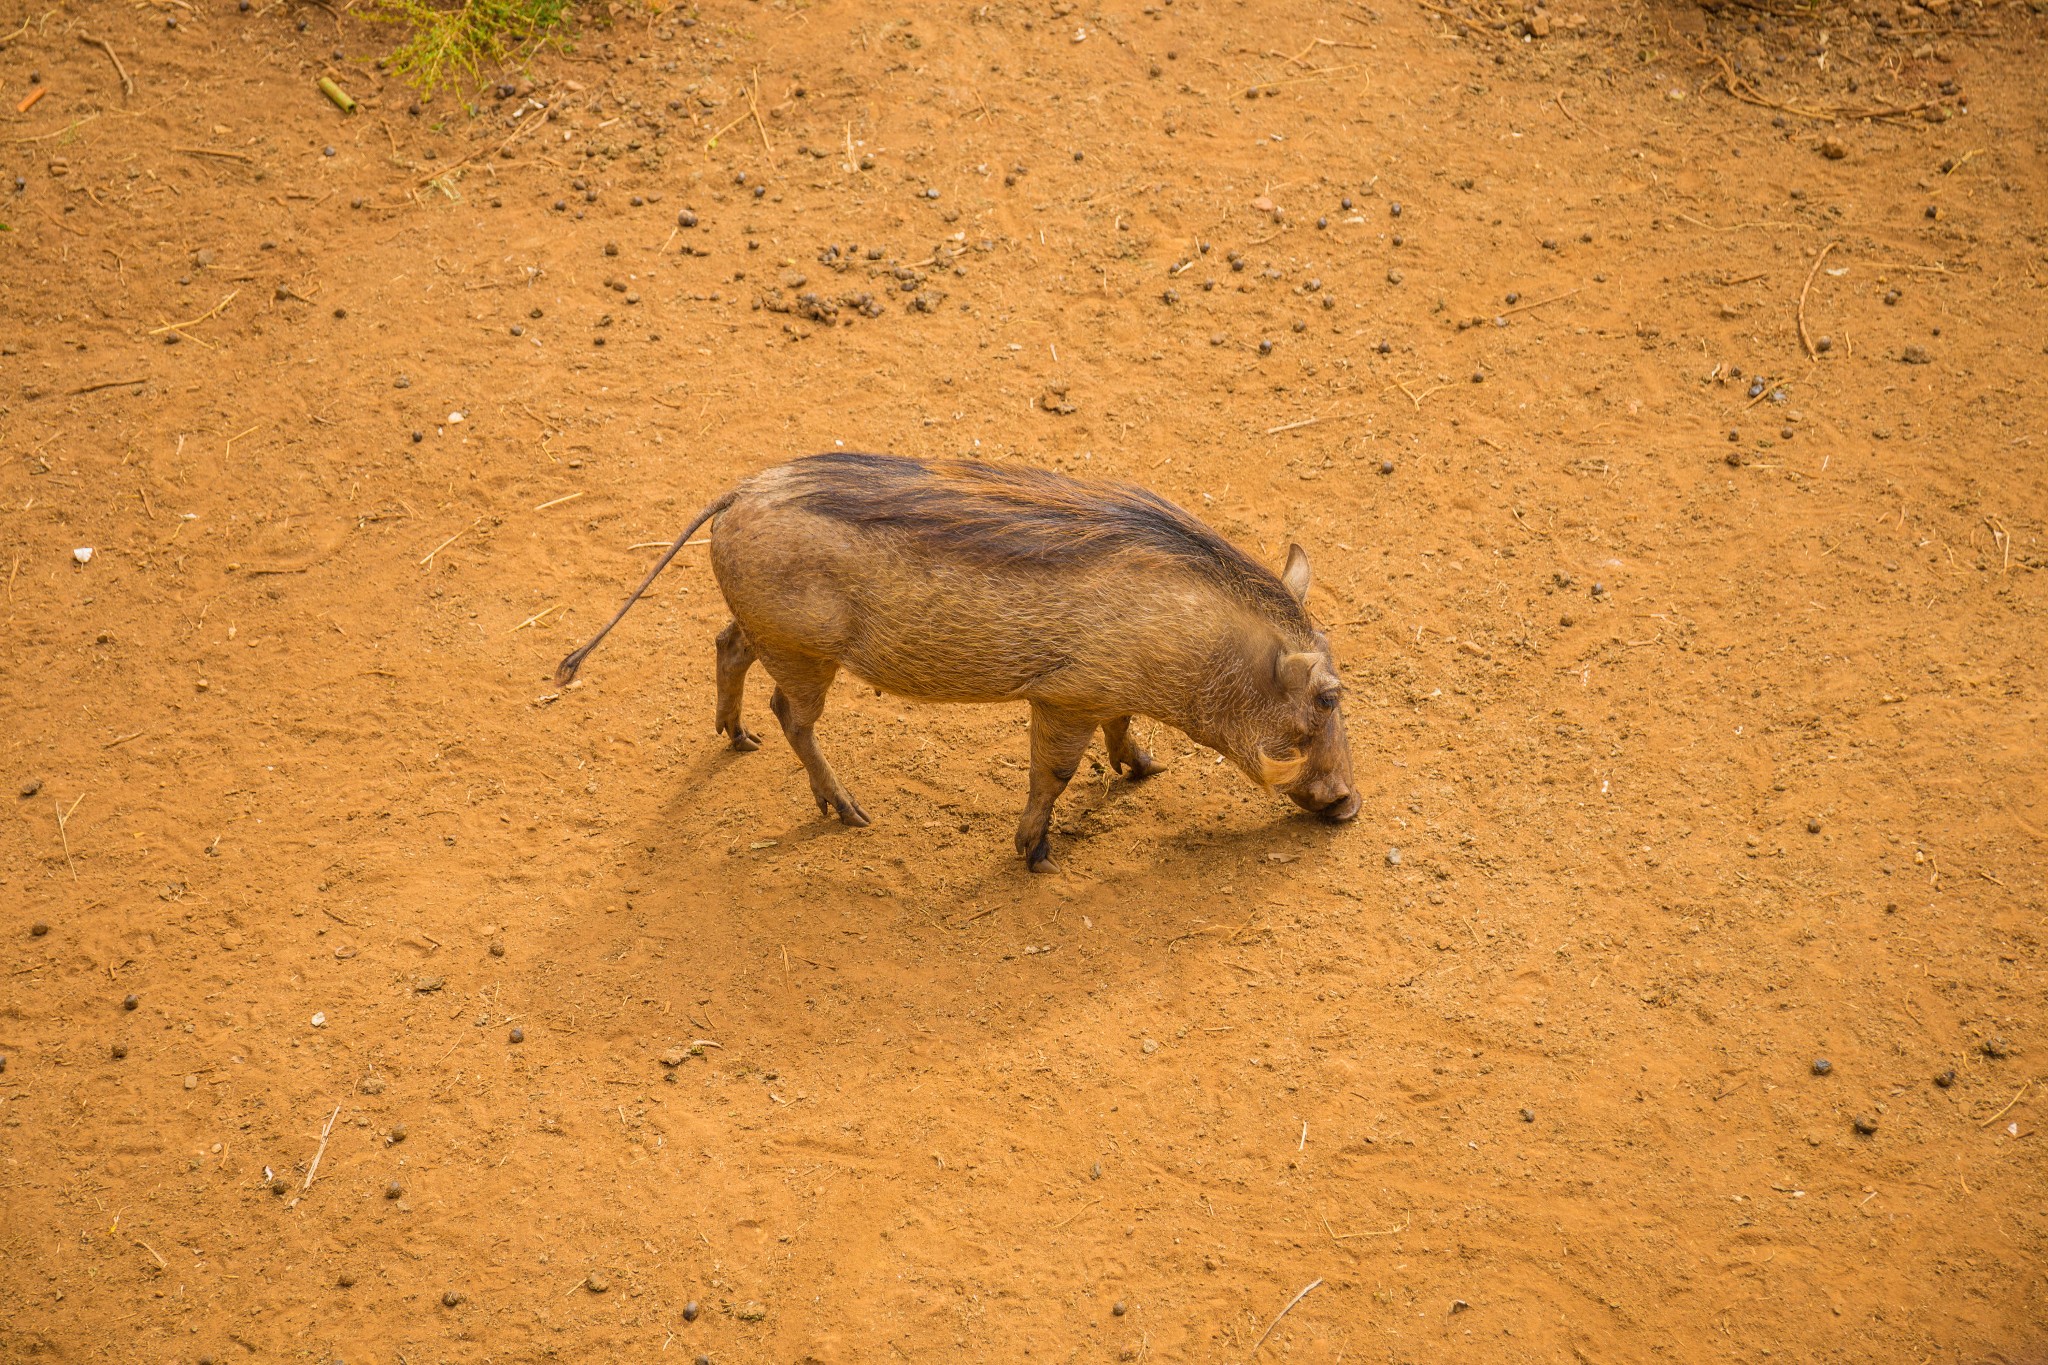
{"type": "Point", "coordinates": [1295, 576]}
{"type": "Point", "coordinates": [1296, 672]}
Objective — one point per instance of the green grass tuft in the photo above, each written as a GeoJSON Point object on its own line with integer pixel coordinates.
{"type": "Point", "coordinates": [452, 41]}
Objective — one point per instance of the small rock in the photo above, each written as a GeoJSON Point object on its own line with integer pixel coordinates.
{"type": "Point", "coordinates": [372, 1085]}
{"type": "Point", "coordinates": [1393, 277]}
{"type": "Point", "coordinates": [279, 1185]}
{"type": "Point", "coordinates": [119, 1050]}
{"type": "Point", "coordinates": [1386, 466]}
{"type": "Point", "coordinates": [1459, 1305]}
{"type": "Point", "coordinates": [518, 1035]}
{"type": "Point", "coordinates": [1946, 1078]}
{"type": "Point", "coordinates": [31, 787]}
{"type": "Point", "coordinates": [1865, 1124]}
{"type": "Point", "coordinates": [1119, 1308]}
{"type": "Point", "coordinates": [346, 1279]}
{"type": "Point", "coordinates": [1822, 1066]}
{"type": "Point", "coordinates": [191, 1082]}
{"type": "Point", "coordinates": [497, 948]}
{"type": "Point", "coordinates": [750, 1311]}
{"type": "Point", "coordinates": [397, 1133]}
{"type": "Point", "coordinates": [597, 1284]}
{"type": "Point", "coordinates": [1393, 857]}
{"type": "Point", "coordinates": [130, 1002]}
{"type": "Point", "coordinates": [1095, 1171]}
{"type": "Point", "coordinates": [1528, 1116]}
{"type": "Point", "coordinates": [393, 1190]}
{"type": "Point", "coordinates": [1148, 1047]}
{"type": "Point", "coordinates": [1832, 148]}
{"type": "Point", "coordinates": [1915, 355]}
{"type": "Point", "coordinates": [426, 984]}
{"type": "Point", "coordinates": [675, 1056]}
{"type": "Point", "coordinates": [690, 1311]}
{"type": "Point", "coordinates": [83, 554]}
{"type": "Point", "coordinates": [450, 1298]}
{"type": "Point", "coordinates": [1997, 1048]}
{"type": "Point", "coordinates": [1813, 826]}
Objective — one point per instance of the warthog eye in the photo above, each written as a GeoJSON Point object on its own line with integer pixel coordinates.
{"type": "Point", "coordinates": [1327, 701]}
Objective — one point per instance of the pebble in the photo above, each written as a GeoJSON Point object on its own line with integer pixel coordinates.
{"type": "Point", "coordinates": [1393, 857]}
{"type": "Point", "coordinates": [497, 948]}
{"type": "Point", "coordinates": [1822, 1066]}
{"type": "Point", "coordinates": [597, 1284]}
{"type": "Point", "coordinates": [1823, 343]}
{"type": "Point", "coordinates": [1148, 1047]}
{"type": "Point", "coordinates": [327, 151]}
{"type": "Point", "coordinates": [130, 1002]}
{"type": "Point", "coordinates": [3, 1063]}
{"type": "Point", "coordinates": [1265, 348]}
{"type": "Point", "coordinates": [1119, 1308]}
{"type": "Point", "coordinates": [1394, 209]}
{"type": "Point", "coordinates": [1915, 355]}
{"type": "Point", "coordinates": [418, 436]}
{"type": "Point", "coordinates": [39, 928]}
{"type": "Point", "coordinates": [1095, 1171]}
{"type": "Point", "coordinates": [279, 1185]}
{"type": "Point", "coordinates": [450, 1298]}
{"type": "Point", "coordinates": [1813, 826]}
{"type": "Point", "coordinates": [346, 1279]}
{"type": "Point", "coordinates": [1528, 1116]}
{"type": "Point", "coordinates": [518, 1035]}
{"type": "Point", "coordinates": [1833, 149]}
{"type": "Point", "coordinates": [1946, 1078]}
{"type": "Point", "coordinates": [517, 330]}
{"type": "Point", "coordinates": [690, 1311]}
{"type": "Point", "coordinates": [31, 787]}
{"type": "Point", "coordinates": [393, 1190]}
{"type": "Point", "coordinates": [1997, 1048]}
{"type": "Point", "coordinates": [686, 219]}
{"type": "Point", "coordinates": [1393, 277]}
{"type": "Point", "coordinates": [426, 985]}
{"type": "Point", "coordinates": [397, 1132]}
{"type": "Point", "coordinates": [191, 1082]}
{"type": "Point", "coordinates": [675, 1056]}
{"type": "Point", "coordinates": [611, 248]}
{"type": "Point", "coordinates": [1865, 1124]}
{"type": "Point", "coordinates": [1386, 466]}
{"type": "Point", "coordinates": [119, 1050]}
{"type": "Point", "coordinates": [1599, 590]}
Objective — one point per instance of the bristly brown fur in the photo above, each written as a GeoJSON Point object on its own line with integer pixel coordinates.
{"type": "Point", "coordinates": [1013, 516]}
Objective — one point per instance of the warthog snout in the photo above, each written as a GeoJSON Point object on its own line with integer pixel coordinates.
{"type": "Point", "coordinates": [1334, 802]}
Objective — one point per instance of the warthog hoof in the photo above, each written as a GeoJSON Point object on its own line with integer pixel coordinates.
{"type": "Point", "coordinates": [744, 741]}
{"type": "Point", "coordinates": [849, 812]}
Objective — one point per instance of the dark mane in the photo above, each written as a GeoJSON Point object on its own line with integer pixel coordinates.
{"type": "Point", "coordinates": [1015, 515]}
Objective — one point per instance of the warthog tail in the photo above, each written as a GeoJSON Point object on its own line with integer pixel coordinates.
{"type": "Point", "coordinates": [568, 666]}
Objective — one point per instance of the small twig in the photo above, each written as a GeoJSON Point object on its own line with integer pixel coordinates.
{"type": "Point", "coordinates": [1077, 1213]}
{"type": "Point", "coordinates": [107, 384]}
{"type": "Point", "coordinates": [1805, 340]}
{"type": "Point", "coordinates": [754, 108]}
{"type": "Point", "coordinates": [127, 85]}
{"type": "Point", "coordinates": [427, 559]}
{"type": "Point", "coordinates": [1525, 307]}
{"type": "Point", "coordinates": [1291, 426]}
{"type": "Point", "coordinates": [532, 619]}
{"type": "Point", "coordinates": [181, 326]}
{"type": "Point", "coordinates": [566, 497]}
{"type": "Point", "coordinates": [1347, 1236]}
{"type": "Point", "coordinates": [1285, 1311]}
{"type": "Point", "coordinates": [1986, 1123]}
{"type": "Point", "coordinates": [213, 151]}
{"type": "Point", "coordinates": [64, 819]}
{"type": "Point", "coordinates": [161, 1262]}
{"type": "Point", "coordinates": [115, 743]}
{"type": "Point", "coordinates": [321, 1150]}
{"type": "Point", "coordinates": [1559, 97]}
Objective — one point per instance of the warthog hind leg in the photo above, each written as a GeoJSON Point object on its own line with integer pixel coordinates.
{"type": "Point", "coordinates": [735, 657]}
{"type": "Point", "coordinates": [800, 687]}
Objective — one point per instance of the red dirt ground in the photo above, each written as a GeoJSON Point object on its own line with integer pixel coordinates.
{"type": "Point", "coordinates": [1708, 730]}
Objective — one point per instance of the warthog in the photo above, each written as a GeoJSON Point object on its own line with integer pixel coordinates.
{"type": "Point", "coordinates": [949, 580]}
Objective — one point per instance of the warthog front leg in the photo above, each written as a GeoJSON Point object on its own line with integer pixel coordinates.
{"type": "Point", "coordinates": [1058, 739]}
{"type": "Point", "coordinates": [1124, 753]}
{"type": "Point", "coordinates": [735, 657]}
{"type": "Point", "coordinates": [800, 687]}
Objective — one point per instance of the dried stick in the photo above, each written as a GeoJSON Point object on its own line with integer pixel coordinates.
{"type": "Point", "coordinates": [1805, 340]}
{"type": "Point", "coordinates": [1283, 1313]}
{"type": "Point", "coordinates": [181, 326]}
{"type": "Point", "coordinates": [321, 1150]}
{"type": "Point", "coordinates": [107, 384]}
{"type": "Point", "coordinates": [63, 819]}
{"type": "Point", "coordinates": [127, 85]}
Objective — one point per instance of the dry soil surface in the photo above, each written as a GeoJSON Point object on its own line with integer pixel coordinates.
{"type": "Point", "coordinates": [1658, 391]}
